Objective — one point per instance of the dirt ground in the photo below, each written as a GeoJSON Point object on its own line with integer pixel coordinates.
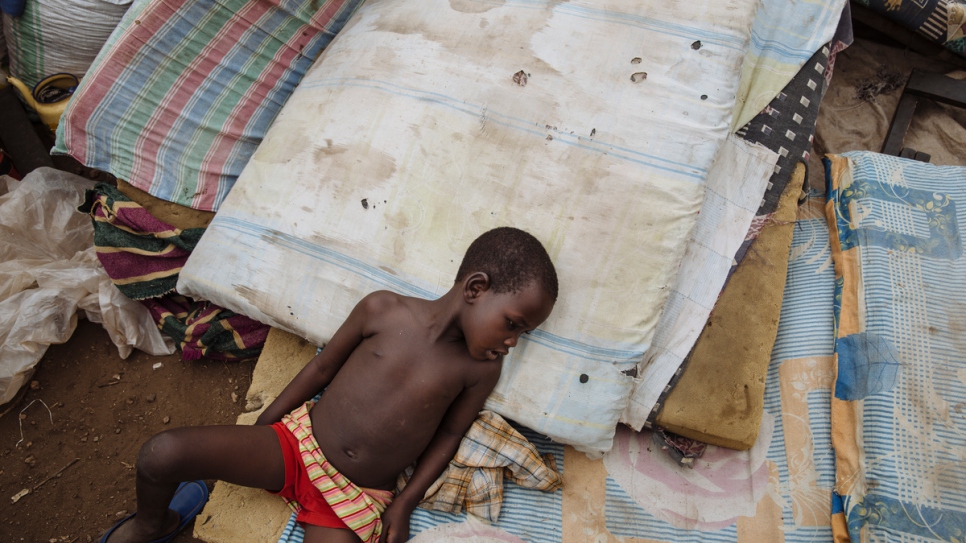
{"type": "Point", "coordinates": [77, 459]}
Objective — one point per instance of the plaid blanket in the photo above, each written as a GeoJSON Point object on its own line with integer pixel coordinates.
{"type": "Point", "coordinates": [490, 451]}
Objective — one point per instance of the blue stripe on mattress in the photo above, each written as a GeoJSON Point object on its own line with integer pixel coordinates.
{"type": "Point", "coordinates": [666, 27]}
{"type": "Point", "coordinates": [686, 171]}
{"type": "Point", "coordinates": [395, 283]}
{"type": "Point", "coordinates": [783, 50]}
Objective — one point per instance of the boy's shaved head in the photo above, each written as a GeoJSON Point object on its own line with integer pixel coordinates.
{"type": "Point", "coordinates": [512, 259]}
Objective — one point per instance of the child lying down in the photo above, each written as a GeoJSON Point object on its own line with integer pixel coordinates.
{"type": "Point", "coordinates": [404, 379]}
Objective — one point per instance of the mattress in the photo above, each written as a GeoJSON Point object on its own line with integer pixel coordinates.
{"type": "Point", "coordinates": [784, 125]}
{"type": "Point", "coordinates": [404, 142]}
{"type": "Point", "coordinates": [900, 315]}
{"type": "Point", "coordinates": [184, 90]}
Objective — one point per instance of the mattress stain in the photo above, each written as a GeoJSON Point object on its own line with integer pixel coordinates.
{"type": "Point", "coordinates": [497, 35]}
{"type": "Point", "coordinates": [249, 294]}
{"type": "Point", "coordinates": [352, 162]}
{"type": "Point", "coordinates": [399, 249]}
{"type": "Point", "coordinates": [957, 325]}
{"type": "Point", "coordinates": [474, 6]}
{"type": "Point", "coordinates": [329, 149]}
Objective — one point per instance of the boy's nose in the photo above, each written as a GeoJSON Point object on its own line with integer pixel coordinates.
{"type": "Point", "coordinates": [511, 341]}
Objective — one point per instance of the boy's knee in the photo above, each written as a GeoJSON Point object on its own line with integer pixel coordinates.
{"type": "Point", "coordinates": [161, 455]}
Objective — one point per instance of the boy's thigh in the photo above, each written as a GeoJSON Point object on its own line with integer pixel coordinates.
{"type": "Point", "coordinates": [318, 534]}
{"type": "Point", "coordinates": [243, 455]}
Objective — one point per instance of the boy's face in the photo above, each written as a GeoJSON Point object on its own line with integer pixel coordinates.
{"type": "Point", "coordinates": [497, 320]}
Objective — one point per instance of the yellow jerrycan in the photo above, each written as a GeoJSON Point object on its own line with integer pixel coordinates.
{"type": "Point", "coordinates": [49, 97]}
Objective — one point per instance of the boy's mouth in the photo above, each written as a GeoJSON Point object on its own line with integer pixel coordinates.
{"type": "Point", "coordinates": [493, 355]}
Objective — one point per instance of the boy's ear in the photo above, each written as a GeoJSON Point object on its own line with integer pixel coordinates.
{"type": "Point", "coordinates": [475, 284]}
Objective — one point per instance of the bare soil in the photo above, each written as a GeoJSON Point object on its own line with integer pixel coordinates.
{"type": "Point", "coordinates": [77, 459]}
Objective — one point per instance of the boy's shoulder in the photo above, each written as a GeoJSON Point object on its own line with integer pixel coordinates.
{"type": "Point", "coordinates": [381, 300]}
{"type": "Point", "coordinates": [382, 304]}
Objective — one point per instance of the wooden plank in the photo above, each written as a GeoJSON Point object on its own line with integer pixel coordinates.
{"type": "Point", "coordinates": [937, 87]}
{"type": "Point", "coordinates": [900, 123]}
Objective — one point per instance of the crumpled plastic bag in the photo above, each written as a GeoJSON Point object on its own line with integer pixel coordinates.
{"type": "Point", "coordinates": [49, 270]}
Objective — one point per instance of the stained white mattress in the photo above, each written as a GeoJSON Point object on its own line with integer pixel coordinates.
{"type": "Point", "coordinates": [427, 122]}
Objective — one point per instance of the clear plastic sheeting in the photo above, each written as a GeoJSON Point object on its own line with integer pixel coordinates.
{"type": "Point", "coordinates": [49, 271]}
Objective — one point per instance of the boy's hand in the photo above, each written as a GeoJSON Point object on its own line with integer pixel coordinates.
{"type": "Point", "coordinates": [395, 524]}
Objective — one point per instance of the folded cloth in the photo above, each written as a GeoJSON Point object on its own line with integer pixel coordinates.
{"type": "Point", "coordinates": [140, 253]}
{"type": "Point", "coordinates": [204, 329]}
{"type": "Point", "coordinates": [143, 255]}
{"type": "Point", "coordinates": [360, 510]}
{"type": "Point", "coordinates": [490, 451]}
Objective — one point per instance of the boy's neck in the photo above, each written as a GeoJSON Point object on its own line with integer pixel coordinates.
{"type": "Point", "coordinates": [442, 315]}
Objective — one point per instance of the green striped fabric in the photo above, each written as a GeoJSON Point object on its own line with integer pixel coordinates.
{"type": "Point", "coordinates": [59, 36]}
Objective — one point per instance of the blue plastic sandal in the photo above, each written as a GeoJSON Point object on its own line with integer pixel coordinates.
{"type": "Point", "coordinates": [188, 501]}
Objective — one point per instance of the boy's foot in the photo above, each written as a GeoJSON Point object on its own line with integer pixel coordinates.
{"type": "Point", "coordinates": [128, 531]}
{"type": "Point", "coordinates": [187, 502]}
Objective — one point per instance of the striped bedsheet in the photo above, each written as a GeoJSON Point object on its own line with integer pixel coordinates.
{"type": "Point", "coordinates": [184, 91]}
{"type": "Point", "coordinates": [899, 409]}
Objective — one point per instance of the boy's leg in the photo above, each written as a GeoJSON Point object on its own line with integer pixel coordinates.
{"type": "Point", "coordinates": [243, 455]}
{"type": "Point", "coordinates": [318, 534]}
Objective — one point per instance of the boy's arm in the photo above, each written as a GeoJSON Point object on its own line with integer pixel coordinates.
{"type": "Point", "coordinates": [318, 373]}
{"type": "Point", "coordinates": [457, 421]}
